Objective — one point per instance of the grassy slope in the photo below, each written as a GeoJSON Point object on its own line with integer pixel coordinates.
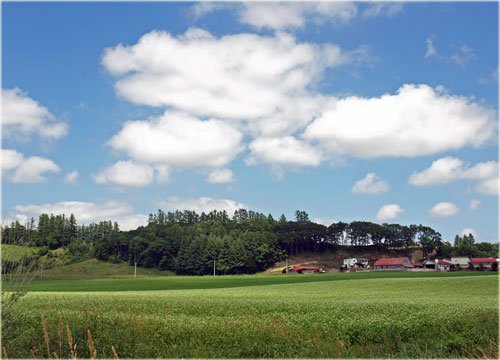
{"type": "Point", "coordinates": [384, 317]}
{"type": "Point", "coordinates": [211, 282]}
{"type": "Point", "coordinates": [93, 269]}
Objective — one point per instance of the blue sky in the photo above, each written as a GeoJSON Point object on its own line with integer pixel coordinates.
{"type": "Point", "coordinates": [383, 112]}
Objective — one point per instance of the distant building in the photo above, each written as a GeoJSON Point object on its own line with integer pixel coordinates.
{"type": "Point", "coordinates": [393, 264]}
{"type": "Point", "coordinates": [442, 265]}
{"type": "Point", "coordinates": [306, 270]}
{"type": "Point", "coordinates": [483, 262]}
{"type": "Point", "coordinates": [460, 261]}
{"type": "Point", "coordinates": [356, 262]}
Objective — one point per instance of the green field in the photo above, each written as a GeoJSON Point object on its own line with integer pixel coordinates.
{"type": "Point", "coordinates": [382, 315]}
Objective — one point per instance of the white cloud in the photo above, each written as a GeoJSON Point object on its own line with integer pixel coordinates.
{"type": "Point", "coordinates": [291, 15]}
{"type": "Point", "coordinates": [202, 204]}
{"type": "Point", "coordinates": [23, 116]}
{"type": "Point", "coordinates": [287, 150]}
{"type": "Point", "coordinates": [87, 212]}
{"type": "Point", "coordinates": [388, 9]}
{"type": "Point", "coordinates": [389, 212]}
{"type": "Point", "coordinates": [449, 169]}
{"type": "Point", "coordinates": [71, 177]}
{"type": "Point", "coordinates": [296, 15]}
{"type": "Point", "coordinates": [430, 50]}
{"type": "Point", "coordinates": [127, 174]}
{"type": "Point", "coordinates": [220, 176]}
{"type": "Point", "coordinates": [473, 205]}
{"type": "Point", "coordinates": [264, 80]}
{"type": "Point", "coordinates": [463, 56]}
{"type": "Point", "coordinates": [178, 139]}
{"type": "Point", "coordinates": [19, 169]}
{"type": "Point", "coordinates": [468, 231]}
{"type": "Point", "coordinates": [324, 221]}
{"type": "Point", "coordinates": [488, 186]}
{"type": "Point", "coordinates": [370, 184]}
{"type": "Point", "coordinates": [11, 159]}
{"type": "Point", "coordinates": [443, 210]}
{"type": "Point", "coordinates": [418, 120]}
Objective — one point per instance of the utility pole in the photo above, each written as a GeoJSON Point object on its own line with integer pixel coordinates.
{"type": "Point", "coordinates": [135, 266]}
{"type": "Point", "coordinates": [286, 266]}
{"type": "Point", "coordinates": [214, 267]}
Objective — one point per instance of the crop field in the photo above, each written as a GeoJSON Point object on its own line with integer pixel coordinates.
{"type": "Point", "coordinates": [389, 316]}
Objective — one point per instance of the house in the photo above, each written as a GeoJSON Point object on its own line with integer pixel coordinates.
{"type": "Point", "coordinates": [306, 270]}
{"type": "Point", "coordinates": [429, 264]}
{"type": "Point", "coordinates": [442, 265]}
{"type": "Point", "coordinates": [356, 262]}
{"type": "Point", "coordinates": [486, 263]}
{"type": "Point", "coordinates": [460, 262]}
{"type": "Point", "coordinates": [393, 264]}
{"type": "Point", "coordinates": [417, 265]}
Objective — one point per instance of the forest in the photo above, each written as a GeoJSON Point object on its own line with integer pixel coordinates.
{"type": "Point", "coordinates": [188, 243]}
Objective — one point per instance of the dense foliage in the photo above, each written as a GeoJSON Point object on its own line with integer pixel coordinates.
{"type": "Point", "coordinates": [248, 242]}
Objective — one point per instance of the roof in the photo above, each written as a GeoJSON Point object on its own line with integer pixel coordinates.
{"type": "Point", "coordinates": [417, 264]}
{"type": "Point", "coordinates": [390, 261]}
{"type": "Point", "coordinates": [299, 268]}
{"type": "Point", "coordinates": [443, 262]}
{"type": "Point", "coordinates": [482, 260]}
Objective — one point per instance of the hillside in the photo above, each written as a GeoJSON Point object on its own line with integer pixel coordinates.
{"type": "Point", "coordinates": [94, 269]}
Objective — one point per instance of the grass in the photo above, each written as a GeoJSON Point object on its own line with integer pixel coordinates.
{"type": "Point", "coordinates": [387, 315]}
{"type": "Point", "coordinates": [94, 269]}
{"type": "Point", "coordinates": [213, 282]}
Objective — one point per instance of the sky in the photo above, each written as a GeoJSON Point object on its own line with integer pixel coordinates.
{"type": "Point", "coordinates": [383, 112]}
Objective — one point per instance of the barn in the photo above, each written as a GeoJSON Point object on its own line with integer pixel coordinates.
{"type": "Point", "coordinates": [393, 264]}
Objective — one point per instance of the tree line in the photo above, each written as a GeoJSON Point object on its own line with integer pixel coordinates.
{"type": "Point", "coordinates": [247, 242]}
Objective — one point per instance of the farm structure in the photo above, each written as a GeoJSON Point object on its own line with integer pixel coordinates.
{"type": "Point", "coordinates": [356, 262]}
{"type": "Point", "coordinates": [436, 264]}
{"type": "Point", "coordinates": [393, 264]}
{"type": "Point", "coordinates": [460, 261]}
{"type": "Point", "coordinates": [486, 263]}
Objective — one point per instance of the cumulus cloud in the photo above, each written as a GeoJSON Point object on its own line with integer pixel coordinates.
{"type": "Point", "coordinates": [449, 169]}
{"type": "Point", "coordinates": [291, 15]}
{"type": "Point", "coordinates": [264, 80]}
{"type": "Point", "coordinates": [179, 139]}
{"type": "Point", "coordinates": [23, 117]}
{"type": "Point", "coordinates": [370, 184]}
{"type": "Point", "coordinates": [389, 212]}
{"type": "Point", "coordinates": [19, 169]}
{"type": "Point", "coordinates": [417, 120]}
{"type": "Point", "coordinates": [287, 150]}
{"type": "Point", "coordinates": [296, 15]}
{"type": "Point", "coordinates": [87, 212]}
{"type": "Point", "coordinates": [220, 176]}
{"type": "Point", "coordinates": [443, 210]}
{"type": "Point", "coordinates": [202, 204]}
{"type": "Point", "coordinates": [127, 174]}
{"type": "Point", "coordinates": [71, 177]}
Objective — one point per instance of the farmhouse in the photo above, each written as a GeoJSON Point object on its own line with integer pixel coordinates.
{"type": "Point", "coordinates": [306, 270]}
{"type": "Point", "coordinates": [442, 265]}
{"type": "Point", "coordinates": [393, 264]}
{"type": "Point", "coordinates": [460, 261]}
{"type": "Point", "coordinates": [485, 263]}
{"type": "Point", "coordinates": [356, 262]}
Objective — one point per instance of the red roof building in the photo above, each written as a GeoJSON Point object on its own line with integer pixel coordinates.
{"type": "Point", "coordinates": [485, 263]}
{"type": "Point", "coordinates": [298, 269]}
{"type": "Point", "coordinates": [482, 260]}
{"type": "Point", "coordinates": [397, 264]}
